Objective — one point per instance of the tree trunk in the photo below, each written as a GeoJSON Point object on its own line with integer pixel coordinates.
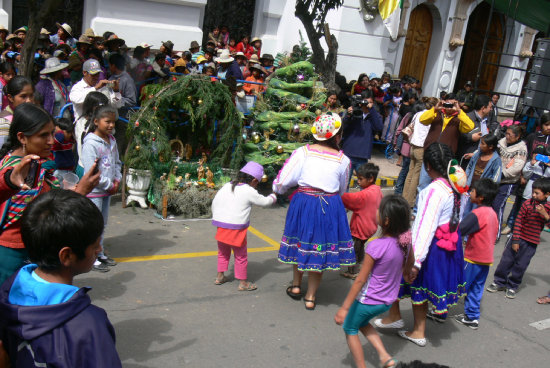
{"type": "Point", "coordinates": [325, 66]}
{"type": "Point", "coordinates": [37, 17]}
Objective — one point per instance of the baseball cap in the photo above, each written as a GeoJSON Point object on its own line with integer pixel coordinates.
{"type": "Point", "coordinates": [91, 66]}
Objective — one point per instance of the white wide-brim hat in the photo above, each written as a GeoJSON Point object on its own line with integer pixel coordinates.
{"type": "Point", "coordinates": [53, 65]}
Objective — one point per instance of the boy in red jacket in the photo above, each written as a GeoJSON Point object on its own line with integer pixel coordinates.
{"type": "Point", "coordinates": [364, 205]}
{"type": "Point", "coordinates": [522, 245]}
{"type": "Point", "coordinates": [481, 227]}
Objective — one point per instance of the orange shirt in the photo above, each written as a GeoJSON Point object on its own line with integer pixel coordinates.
{"type": "Point", "coordinates": [251, 89]}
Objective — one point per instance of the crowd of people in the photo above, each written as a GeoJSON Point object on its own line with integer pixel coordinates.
{"type": "Point", "coordinates": [459, 166]}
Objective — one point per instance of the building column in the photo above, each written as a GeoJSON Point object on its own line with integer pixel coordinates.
{"type": "Point", "coordinates": [267, 19]}
{"type": "Point", "coordinates": [5, 13]}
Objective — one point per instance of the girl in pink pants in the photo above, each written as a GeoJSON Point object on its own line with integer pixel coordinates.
{"type": "Point", "coordinates": [231, 214]}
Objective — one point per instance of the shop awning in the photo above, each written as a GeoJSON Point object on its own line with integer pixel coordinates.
{"type": "Point", "coordinates": [532, 13]}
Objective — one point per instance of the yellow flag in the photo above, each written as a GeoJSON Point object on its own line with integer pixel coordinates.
{"type": "Point", "coordinates": [390, 12]}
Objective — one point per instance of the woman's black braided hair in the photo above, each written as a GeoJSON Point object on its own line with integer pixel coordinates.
{"type": "Point", "coordinates": [438, 156]}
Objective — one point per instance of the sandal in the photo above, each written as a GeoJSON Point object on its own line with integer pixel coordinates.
{"type": "Point", "coordinates": [347, 275]}
{"type": "Point", "coordinates": [295, 296]}
{"type": "Point", "coordinates": [396, 363]}
{"type": "Point", "coordinates": [221, 281]}
{"type": "Point", "coordinates": [249, 287]}
{"type": "Point", "coordinates": [309, 301]}
{"type": "Point", "coordinates": [544, 300]}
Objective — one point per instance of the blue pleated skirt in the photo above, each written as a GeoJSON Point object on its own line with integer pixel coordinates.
{"type": "Point", "coordinates": [317, 235]}
{"type": "Point", "coordinates": [440, 280]}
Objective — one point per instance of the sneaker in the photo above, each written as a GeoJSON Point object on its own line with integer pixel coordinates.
{"type": "Point", "coordinates": [100, 267]}
{"type": "Point", "coordinates": [472, 323]}
{"type": "Point", "coordinates": [510, 294]}
{"type": "Point", "coordinates": [506, 230]}
{"type": "Point", "coordinates": [493, 288]}
{"type": "Point", "coordinates": [434, 317]}
{"type": "Point", "coordinates": [108, 261]}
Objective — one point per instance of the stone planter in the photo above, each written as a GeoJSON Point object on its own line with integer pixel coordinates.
{"type": "Point", "coordinates": [137, 182]}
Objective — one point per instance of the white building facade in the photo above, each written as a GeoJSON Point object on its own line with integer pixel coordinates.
{"type": "Point", "coordinates": [433, 36]}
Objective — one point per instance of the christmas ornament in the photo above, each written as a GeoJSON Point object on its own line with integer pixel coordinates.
{"type": "Point", "coordinates": [264, 178]}
{"type": "Point", "coordinates": [151, 96]}
{"type": "Point", "coordinates": [190, 98]}
{"type": "Point", "coordinates": [298, 108]}
{"type": "Point", "coordinates": [142, 132]}
{"type": "Point", "coordinates": [300, 77]}
{"type": "Point", "coordinates": [256, 138]}
{"type": "Point", "coordinates": [155, 108]}
{"type": "Point", "coordinates": [154, 139]}
{"type": "Point", "coordinates": [137, 123]}
{"type": "Point", "coordinates": [137, 148]}
{"type": "Point", "coordinates": [318, 112]}
{"type": "Point", "coordinates": [174, 79]}
{"type": "Point", "coordinates": [303, 106]}
{"type": "Point", "coordinates": [296, 129]}
{"type": "Point", "coordinates": [280, 149]}
{"type": "Point", "coordinates": [199, 101]}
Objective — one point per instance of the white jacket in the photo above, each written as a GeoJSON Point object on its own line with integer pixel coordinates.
{"type": "Point", "coordinates": [231, 209]}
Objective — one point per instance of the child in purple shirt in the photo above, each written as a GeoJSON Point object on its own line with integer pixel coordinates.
{"type": "Point", "coordinates": [377, 286]}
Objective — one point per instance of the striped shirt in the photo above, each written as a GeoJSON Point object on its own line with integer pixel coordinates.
{"type": "Point", "coordinates": [529, 223]}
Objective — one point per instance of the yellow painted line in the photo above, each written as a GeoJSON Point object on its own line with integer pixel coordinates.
{"type": "Point", "coordinates": [264, 237]}
{"type": "Point", "coordinates": [160, 257]}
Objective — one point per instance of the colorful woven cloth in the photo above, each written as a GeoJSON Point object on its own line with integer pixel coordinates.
{"type": "Point", "coordinates": [12, 210]}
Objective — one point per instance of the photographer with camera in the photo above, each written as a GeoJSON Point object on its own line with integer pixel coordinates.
{"type": "Point", "coordinates": [360, 122]}
{"type": "Point", "coordinates": [447, 122]}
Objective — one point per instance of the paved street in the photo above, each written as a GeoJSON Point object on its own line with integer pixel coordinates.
{"type": "Point", "coordinates": [167, 312]}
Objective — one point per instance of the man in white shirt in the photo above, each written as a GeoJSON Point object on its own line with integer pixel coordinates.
{"type": "Point", "coordinates": [90, 82]}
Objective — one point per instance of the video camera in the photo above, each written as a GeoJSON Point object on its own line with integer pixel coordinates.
{"type": "Point", "coordinates": [356, 102]}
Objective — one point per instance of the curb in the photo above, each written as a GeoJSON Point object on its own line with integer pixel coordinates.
{"type": "Point", "coordinates": [381, 181]}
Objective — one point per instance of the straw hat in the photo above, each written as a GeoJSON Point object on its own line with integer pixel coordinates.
{"type": "Point", "coordinates": [43, 31]}
{"type": "Point", "coordinates": [53, 65]}
{"type": "Point", "coordinates": [67, 28]}
{"type": "Point", "coordinates": [254, 59]}
{"type": "Point", "coordinates": [83, 39]}
{"type": "Point", "coordinates": [91, 34]}
{"type": "Point", "coordinates": [145, 45]}
{"type": "Point", "coordinates": [225, 57]}
{"type": "Point", "coordinates": [240, 54]}
{"type": "Point", "coordinates": [258, 67]}
{"type": "Point", "coordinates": [254, 40]}
{"type": "Point", "coordinates": [13, 37]}
{"type": "Point", "coordinates": [3, 29]}
{"type": "Point", "coordinates": [21, 29]}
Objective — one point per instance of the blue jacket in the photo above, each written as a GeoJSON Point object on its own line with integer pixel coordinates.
{"type": "Point", "coordinates": [358, 134]}
{"type": "Point", "coordinates": [493, 169]}
{"type": "Point", "coordinates": [70, 334]}
{"type": "Point", "coordinates": [233, 70]}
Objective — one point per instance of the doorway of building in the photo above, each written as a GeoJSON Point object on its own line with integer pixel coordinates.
{"type": "Point", "coordinates": [473, 45]}
{"type": "Point", "coordinates": [237, 15]}
{"type": "Point", "coordinates": [70, 12]}
{"type": "Point", "coordinates": [417, 43]}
